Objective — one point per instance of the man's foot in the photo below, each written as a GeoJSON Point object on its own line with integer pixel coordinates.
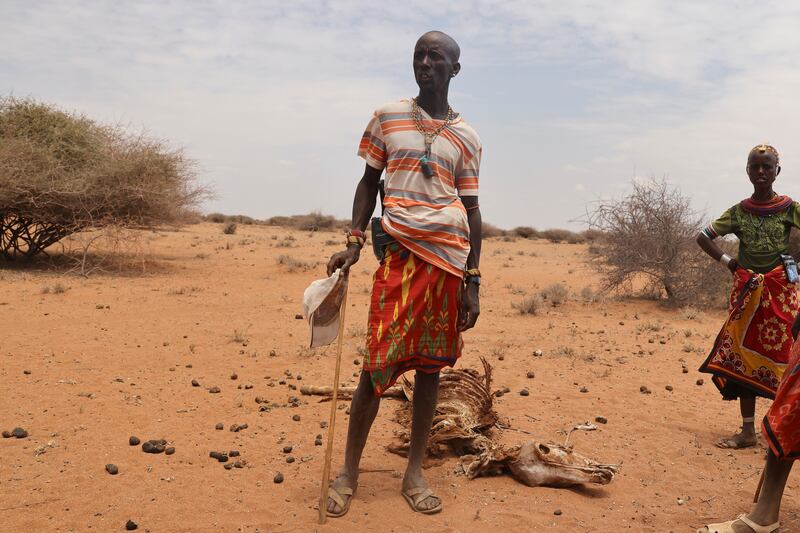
{"type": "Point", "coordinates": [419, 496]}
{"type": "Point", "coordinates": [743, 439]}
{"type": "Point", "coordinates": [743, 524]}
{"type": "Point", "coordinates": [339, 495]}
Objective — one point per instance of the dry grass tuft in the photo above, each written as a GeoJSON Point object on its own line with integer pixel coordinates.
{"type": "Point", "coordinates": [530, 305]}
{"type": "Point", "coordinates": [556, 294]}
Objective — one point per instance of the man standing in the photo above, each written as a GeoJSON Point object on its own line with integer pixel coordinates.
{"type": "Point", "coordinates": [425, 291]}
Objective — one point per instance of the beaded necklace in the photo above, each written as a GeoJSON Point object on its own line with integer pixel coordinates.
{"type": "Point", "coordinates": [429, 136]}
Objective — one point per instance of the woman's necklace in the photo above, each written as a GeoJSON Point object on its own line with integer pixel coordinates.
{"type": "Point", "coordinates": [429, 136]}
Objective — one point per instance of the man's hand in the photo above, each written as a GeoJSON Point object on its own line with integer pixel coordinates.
{"type": "Point", "coordinates": [470, 307]}
{"type": "Point", "coordinates": [733, 265]}
{"type": "Point", "coordinates": [344, 260]}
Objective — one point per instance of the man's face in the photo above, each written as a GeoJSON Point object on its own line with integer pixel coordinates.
{"type": "Point", "coordinates": [762, 168]}
{"type": "Point", "coordinates": [433, 66]}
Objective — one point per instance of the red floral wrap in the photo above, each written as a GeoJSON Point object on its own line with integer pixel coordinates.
{"type": "Point", "coordinates": [781, 426]}
{"type": "Point", "coordinates": [413, 318]}
{"type": "Point", "coordinates": [753, 347]}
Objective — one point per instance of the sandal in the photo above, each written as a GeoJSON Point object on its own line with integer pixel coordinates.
{"type": "Point", "coordinates": [735, 443]}
{"type": "Point", "coordinates": [727, 527]}
{"type": "Point", "coordinates": [417, 495]}
{"type": "Point", "coordinates": [336, 494]}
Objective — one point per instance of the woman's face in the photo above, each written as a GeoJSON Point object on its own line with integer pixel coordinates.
{"type": "Point", "coordinates": [762, 169]}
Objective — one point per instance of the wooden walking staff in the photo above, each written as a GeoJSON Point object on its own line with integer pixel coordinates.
{"type": "Point", "coordinates": [326, 469]}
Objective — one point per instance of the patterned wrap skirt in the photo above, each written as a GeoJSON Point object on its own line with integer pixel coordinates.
{"type": "Point", "coordinates": [781, 425]}
{"type": "Point", "coordinates": [752, 349]}
{"type": "Point", "coordinates": [413, 318]}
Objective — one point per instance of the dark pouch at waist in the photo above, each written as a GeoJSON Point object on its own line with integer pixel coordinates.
{"type": "Point", "coordinates": [380, 239]}
{"type": "Point", "coordinates": [790, 267]}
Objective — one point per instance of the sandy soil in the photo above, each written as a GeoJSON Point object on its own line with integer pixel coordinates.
{"type": "Point", "coordinates": [114, 356]}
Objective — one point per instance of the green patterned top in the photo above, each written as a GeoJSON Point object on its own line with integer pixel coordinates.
{"type": "Point", "coordinates": [762, 239]}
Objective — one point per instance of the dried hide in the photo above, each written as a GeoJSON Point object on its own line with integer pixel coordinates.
{"type": "Point", "coordinates": [536, 464]}
{"type": "Point", "coordinates": [463, 413]}
{"type": "Point", "coordinates": [462, 423]}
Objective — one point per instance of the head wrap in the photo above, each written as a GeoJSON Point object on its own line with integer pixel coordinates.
{"type": "Point", "coordinates": [764, 148]}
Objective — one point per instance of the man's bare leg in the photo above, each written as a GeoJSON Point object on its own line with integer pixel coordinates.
{"type": "Point", "coordinates": [768, 508]}
{"type": "Point", "coordinates": [363, 409]}
{"type": "Point", "coordinates": [747, 437]}
{"type": "Point", "coordinates": [426, 394]}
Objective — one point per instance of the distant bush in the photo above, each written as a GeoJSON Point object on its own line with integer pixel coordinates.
{"type": "Point", "coordinates": [490, 230]}
{"type": "Point", "coordinates": [62, 173]}
{"type": "Point", "coordinates": [526, 232]}
{"type": "Point", "coordinates": [563, 235]}
{"type": "Point", "coordinates": [314, 221]}
{"type": "Point", "coordinates": [229, 228]}
{"type": "Point", "coordinates": [650, 234]}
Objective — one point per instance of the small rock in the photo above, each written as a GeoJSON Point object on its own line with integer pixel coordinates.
{"type": "Point", "coordinates": [498, 393]}
{"type": "Point", "coordinates": [169, 451]}
{"type": "Point", "coordinates": [296, 418]}
{"type": "Point", "coordinates": [248, 386]}
{"type": "Point", "coordinates": [289, 459]}
{"type": "Point", "coordinates": [524, 392]}
{"type": "Point", "coordinates": [19, 433]}
{"type": "Point", "coordinates": [234, 376]}
{"type": "Point", "coordinates": [149, 447]}
{"type": "Point", "coordinates": [221, 457]}
{"type": "Point", "coordinates": [227, 466]}
{"type": "Point", "coordinates": [26, 372]}
{"type": "Point", "coordinates": [685, 370]}
{"type": "Point", "coordinates": [298, 377]}
{"type": "Point", "coordinates": [700, 381]}
{"type": "Point", "coordinates": [112, 469]}
{"type": "Point", "coordinates": [273, 353]}
{"type": "Point", "coordinates": [644, 390]}
{"type": "Point", "coordinates": [278, 478]}
{"type": "Point", "coordinates": [134, 441]}
{"type": "Point", "coordinates": [6, 434]}
{"type": "Point", "coordinates": [236, 428]}
{"type": "Point", "coordinates": [584, 390]}
{"type": "Point", "coordinates": [238, 464]}
{"type": "Point", "coordinates": [214, 390]}
{"type": "Point", "coordinates": [298, 317]}
{"type": "Point", "coordinates": [356, 361]}
{"type": "Point", "coordinates": [557, 512]}
{"type": "Point", "coordinates": [601, 420]}
{"type": "Point", "coordinates": [530, 374]}
{"type": "Point", "coordinates": [195, 383]}
{"type": "Point", "coordinates": [234, 453]}
{"type": "Point", "coordinates": [219, 426]}
{"type": "Point", "coordinates": [130, 525]}
{"type": "Point", "coordinates": [669, 388]}
{"type": "Point", "coordinates": [318, 440]}
{"type": "Point", "coordinates": [323, 424]}
{"type": "Point", "coordinates": [537, 353]}
{"type": "Point", "coordinates": [287, 449]}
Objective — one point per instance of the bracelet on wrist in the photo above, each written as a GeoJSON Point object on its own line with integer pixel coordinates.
{"type": "Point", "coordinates": [357, 237]}
{"type": "Point", "coordinates": [725, 259]}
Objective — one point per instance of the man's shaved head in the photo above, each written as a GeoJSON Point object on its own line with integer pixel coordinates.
{"type": "Point", "coordinates": [447, 43]}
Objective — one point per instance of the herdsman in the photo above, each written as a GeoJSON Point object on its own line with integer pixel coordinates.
{"type": "Point", "coordinates": [425, 290]}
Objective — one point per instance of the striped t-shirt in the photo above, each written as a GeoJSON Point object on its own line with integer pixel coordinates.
{"type": "Point", "coordinates": [425, 214]}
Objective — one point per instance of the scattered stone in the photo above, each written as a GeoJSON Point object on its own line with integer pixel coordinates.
{"type": "Point", "coordinates": [248, 386]}
{"type": "Point", "coordinates": [530, 374]}
{"type": "Point", "coordinates": [234, 376]}
{"type": "Point", "coordinates": [273, 353]}
{"type": "Point", "coordinates": [298, 377]}
{"type": "Point", "coordinates": [26, 372]}
{"type": "Point", "coordinates": [323, 424]}
{"type": "Point", "coordinates": [134, 441]}
{"type": "Point", "coordinates": [153, 446]}
{"type": "Point", "coordinates": [644, 390]}
{"type": "Point", "coordinates": [234, 453]}
{"type": "Point", "coordinates": [278, 478]}
{"type": "Point", "coordinates": [221, 457]}
{"type": "Point", "coordinates": [227, 466]}
{"type": "Point", "coordinates": [289, 459]}
{"type": "Point", "coordinates": [318, 440]}
{"type": "Point", "coordinates": [214, 390]}
{"type": "Point", "coordinates": [663, 341]}
{"type": "Point", "coordinates": [195, 383]}
{"type": "Point", "coordinates": [356, 361]}
{"type": "Point", "coordinates": [498, 393]}
{"type": "Point", "coordinates": [112, 469]}
{"type": "Point", "coordinates": [219, 426]}
{"type": "Point", "coordinates": [298, 317]}
{"type": "Point", "coordinates": [700, 381]}
{"type": "Point", "coordinates": [169, 451]}
{"type": "Point", "coordinates": [537, 353]}
{"type": "Point", "coordinates": [557, 512]}
{"type": "Point", "coordinates": [296, 418]}
{"type": "Point", "coordinates": [669, 388]}
{"type": "Point", "coordinates": [287, 449]}
{"type": "Point", "coordinates": [239, 464]}
{"type": "Point", "coordinates": [501, 357]}
{"type": "Point", "coordinates": [524, 392]}
{"type": "Point", "coordinates": [6, 434]}
{"type": "Point", "coordinates": [601, 420]}
{"type": "Point", "coordinates": [19, 433]}
{"type": "Point", "coordinates": [236, 428]}
{"type": "Point", "coordinates": [685, 370]}
{"type": "Point", "coordinates": [130, 525]}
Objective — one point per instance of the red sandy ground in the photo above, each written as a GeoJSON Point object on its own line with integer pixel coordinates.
{"type": "Point", "coordinates": [109, 358]}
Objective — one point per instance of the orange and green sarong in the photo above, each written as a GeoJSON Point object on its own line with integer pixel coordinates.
{"type": "Point", "coordinates": [413, 318]}
{"type": "Point", "coordinates": [752, 349]}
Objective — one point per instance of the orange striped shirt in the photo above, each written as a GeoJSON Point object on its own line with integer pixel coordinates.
{"type": "Point", "coordinates": [425, 214]}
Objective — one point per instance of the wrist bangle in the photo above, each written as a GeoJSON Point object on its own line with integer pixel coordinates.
{"type": "Point", "coordinates": [725, 259]}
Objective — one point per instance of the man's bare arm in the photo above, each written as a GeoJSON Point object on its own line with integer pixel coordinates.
{"type": "Point", "coordinates": [470, 302]}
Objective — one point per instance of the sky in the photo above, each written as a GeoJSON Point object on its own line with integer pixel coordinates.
{"type": "Point", "coordinates": [572, 99]}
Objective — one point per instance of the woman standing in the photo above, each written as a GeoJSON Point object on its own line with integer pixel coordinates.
{"type": "Point", "coordinates": [751, 351]}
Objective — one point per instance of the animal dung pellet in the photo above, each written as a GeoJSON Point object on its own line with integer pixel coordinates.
{"type": "Point", "coordinates": [134, 441]}
{"type": "Point", "coordinates": [112, 469]}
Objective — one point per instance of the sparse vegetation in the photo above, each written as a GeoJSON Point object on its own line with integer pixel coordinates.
{"type": "Point", "coordinates": [562, 235]}
{"type": "Point", "coordinates": [230, 228]}
{"type": "Point", "coordinates": [293, 264]}
{"type": "Point", "coordinates": [556, 294]}
{"type": "Point", "coordinates": [530, 305]}
{"type": "Point", "coordinates": [690, 313]}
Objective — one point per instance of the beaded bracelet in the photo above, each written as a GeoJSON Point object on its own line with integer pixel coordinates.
{"type": "Point", "coordinates": [355, 236]}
